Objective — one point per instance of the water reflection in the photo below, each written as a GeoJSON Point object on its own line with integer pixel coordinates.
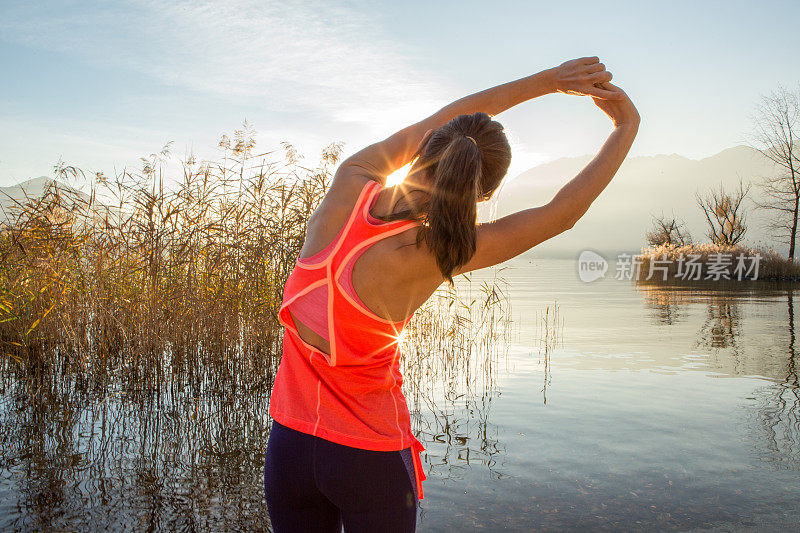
{"type": "Point", "coordinates": [81, 452]}
{"type": "Point", "coordinates": [734, 349]}
{"type": "Point", "coordinates": [778, 407]}
{"type": "Point", "coordinates": [77, 457]}
{"type": "Point", "coordinates": [638, 432]}
{"type": "Point", "coordinates": [459, 341]}
{"type": "Point", "coordinates": [739, 332]}
{"type": "Point", "coordinates": [775, 425]}
{"type": "Point", "coordinates": [720, 328]}
{"type": "Point", "coordinates": [643, 408]}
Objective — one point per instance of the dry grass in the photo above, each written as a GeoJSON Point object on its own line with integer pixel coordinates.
{"type": "Point", "coordinates": [456, 339]}
{"type": "Point", "coordinates": [138, 335]}
{"type": "Point", "coordinates": [176, 283]}
{"type": "Point", "coordinates": [772, 266]}
{"type": "Point", "coordinates": [158, 279]}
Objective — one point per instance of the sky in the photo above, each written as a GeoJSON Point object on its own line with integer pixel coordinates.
{"type": "Point", "coordinates": [101, 84]}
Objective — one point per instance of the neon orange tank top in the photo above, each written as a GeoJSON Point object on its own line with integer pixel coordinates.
{"type": "Point", "coordinates": [354, 395]}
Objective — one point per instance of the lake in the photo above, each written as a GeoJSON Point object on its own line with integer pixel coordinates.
{"type": "Point", "coordinates": [604, 406]}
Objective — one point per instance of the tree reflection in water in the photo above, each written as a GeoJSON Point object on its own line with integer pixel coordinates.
{"type": "Point", "coordinates": [779, 408]}
{"type": "Point", "coordinates": [736, 348]}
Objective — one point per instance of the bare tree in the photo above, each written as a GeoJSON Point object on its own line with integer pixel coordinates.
{"type": "Point", "coordinates": [725, 214]}
{"type": "Point", "coordinates": [776, 123]}
{"type": "Point", "coordinates": [668, 231]}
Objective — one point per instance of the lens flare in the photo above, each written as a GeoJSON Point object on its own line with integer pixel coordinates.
{"type": "Point", "coordinates": [398, 175]}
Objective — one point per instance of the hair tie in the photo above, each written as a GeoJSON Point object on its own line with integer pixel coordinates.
{"type": "Point", "coordinates": [471, 139]}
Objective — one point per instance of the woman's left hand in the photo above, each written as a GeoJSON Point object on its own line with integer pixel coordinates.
{"type": "Point", "coordinates": [582, 77]}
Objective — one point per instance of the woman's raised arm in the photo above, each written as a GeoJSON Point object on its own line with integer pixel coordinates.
{"type": "Point", "coordinates": [514, 234]}
{"type": "Point", "coordinates": [577, 76]}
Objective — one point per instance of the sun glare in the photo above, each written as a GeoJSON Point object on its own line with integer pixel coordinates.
{"type": "Point", "coordinates": [402, 338]}
{"type": "Point", "coordinates": [398, 175]}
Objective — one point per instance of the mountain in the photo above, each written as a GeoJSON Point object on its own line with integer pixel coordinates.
{"type": "Point", "coordinates": [620, 216]}
{"type": "Point", "coordinates": [644, 186]}
{"type": "Point", "coordinates": [33, 188]}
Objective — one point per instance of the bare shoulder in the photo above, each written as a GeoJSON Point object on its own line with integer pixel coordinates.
{"type": "Point", "coordinates": [340, 199]}
{"type": "Point", "coordinates": [332, 212]}
{"type": "Point", "coordinates": [348, 182]}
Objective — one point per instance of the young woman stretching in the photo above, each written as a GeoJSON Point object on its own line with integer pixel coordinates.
{"type": "Point", "coordinates": [341, 451]}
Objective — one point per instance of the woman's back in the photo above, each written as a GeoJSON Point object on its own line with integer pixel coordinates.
{"type": "Point", "coordinates": [396, 245]}
{"type": "Point", "coordinates": [392, 277]}
{"type": "Point", "coordinates": [349, 389]}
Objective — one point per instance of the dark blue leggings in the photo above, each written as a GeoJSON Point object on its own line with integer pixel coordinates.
{"type": "Point", "coordinates": [312, 484]}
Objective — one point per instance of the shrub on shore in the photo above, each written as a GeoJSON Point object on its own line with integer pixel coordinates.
{"type": "Point", "coordinates": [715, 262]}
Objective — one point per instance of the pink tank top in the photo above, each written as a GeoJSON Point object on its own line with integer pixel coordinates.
{"type": "Point", "coordinates": [310, 309]}
{"type": "Point", "coordinates": [352, 396]}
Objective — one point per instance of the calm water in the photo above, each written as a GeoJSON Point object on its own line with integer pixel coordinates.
{"type": "Point", "coordinates": [645, 409]}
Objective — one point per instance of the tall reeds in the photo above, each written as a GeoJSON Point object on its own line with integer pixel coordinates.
{"type": "Point", "coordinates": [159, 277]}
{"type": "Point", "coordinates": [453, 349]}
{"type": "Point", "coordinates": [146, 278]}
{"type": "Point", "coordinates": [139, 340]}
{"type": "Point", "coordinates": [550, 331]}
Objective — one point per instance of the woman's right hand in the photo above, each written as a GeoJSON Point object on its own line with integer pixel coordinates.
{"type": "Point", "coordinates": [582, 77]}
{"type": "Point", "coordinates": [621, 110]}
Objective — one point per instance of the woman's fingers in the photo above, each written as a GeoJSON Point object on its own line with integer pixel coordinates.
{"type": "Point", "coordinates": [597, 90]}
{"type": "Point", "coordinates": [595, 67]}
{"type": "Point", "coordinates": [586, 76]}
{"type": "Point", "coordinates": [599, 77]}
{"type": "Point", "coordinates": [610, 86]}
{"type": "Point", "coordinates": [622, 110]}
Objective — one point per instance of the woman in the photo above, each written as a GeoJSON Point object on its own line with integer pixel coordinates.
{"type": "Point", "coordinates": [341, 451]}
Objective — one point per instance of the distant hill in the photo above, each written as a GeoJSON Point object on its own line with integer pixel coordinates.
{"type": "Point", "coordinates": [33, 188]}
{"type": "Point", "coordinates": [620, 216]}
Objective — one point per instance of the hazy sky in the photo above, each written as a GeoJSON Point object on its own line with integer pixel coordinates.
{"type": "Point", "coordinates": [101, 84]}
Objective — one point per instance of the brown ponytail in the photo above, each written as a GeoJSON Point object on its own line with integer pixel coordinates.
{"type": "Point", "coordinates": [452, 209]}
{"type": "Point", "coordinates": [460, 163]}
